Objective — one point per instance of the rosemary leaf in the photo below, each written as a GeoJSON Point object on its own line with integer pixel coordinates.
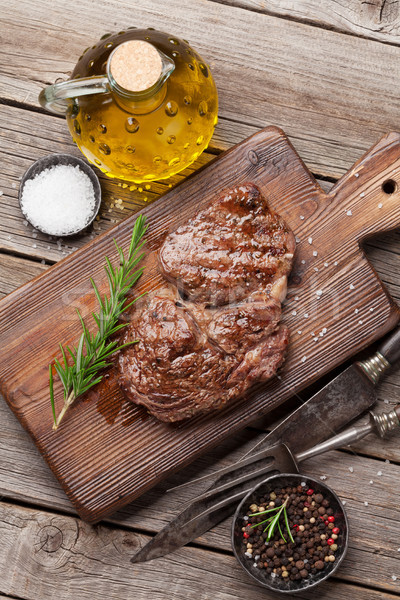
{"type": "Point", "coordinates": [90, 356]}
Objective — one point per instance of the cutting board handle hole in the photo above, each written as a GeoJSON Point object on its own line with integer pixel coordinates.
{"type": "Point", "coordinates": [389, 186]}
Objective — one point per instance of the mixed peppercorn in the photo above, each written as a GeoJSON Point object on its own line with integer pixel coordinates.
{"type": "Point", "coordinates": [303, 538]}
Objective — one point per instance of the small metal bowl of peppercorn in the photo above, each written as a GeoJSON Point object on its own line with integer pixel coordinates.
{"type": "Point", "coordinates": [290, 533]}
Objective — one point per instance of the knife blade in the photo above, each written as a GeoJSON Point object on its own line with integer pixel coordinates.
{"type": "Point", "coordinates": [339, 402]}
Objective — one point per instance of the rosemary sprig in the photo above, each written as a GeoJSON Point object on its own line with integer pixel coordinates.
{"type": "Point", "coordinates": [273, 521]}
{"type": "Point", "coordinates": [93, 350]}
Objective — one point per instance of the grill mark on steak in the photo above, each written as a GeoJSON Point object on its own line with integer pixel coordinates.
{"type": "Point", "coordinates": [212, 332]}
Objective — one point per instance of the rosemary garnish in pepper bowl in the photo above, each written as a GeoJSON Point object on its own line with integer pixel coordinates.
{"type": "Point", "coordinates": [273, 521]}
{"type": "Point", "coordinates": [79, 367]}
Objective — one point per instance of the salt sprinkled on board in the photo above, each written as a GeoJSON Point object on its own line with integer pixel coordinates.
{"type": "Point", "coordinates": [310, 240]}
{"type": "Point", "coordinates": [351, 469]}
{"type": "Point", "coordinates": [59, 200]}
{"type": "Point", "coordinates": [349, 213]}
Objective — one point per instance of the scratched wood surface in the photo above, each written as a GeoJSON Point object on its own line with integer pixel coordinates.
{"type": "Point", "coordinates": [40, 42]}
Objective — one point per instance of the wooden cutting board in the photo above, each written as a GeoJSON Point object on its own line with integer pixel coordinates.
{"type": "Point", "coordinates": [107, 451]}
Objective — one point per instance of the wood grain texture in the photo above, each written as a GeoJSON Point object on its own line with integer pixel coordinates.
{"type": "Point", "coordinates": [52, 552]}
{"type": "Point", "coordinates": [16, 271]}
{"type": "Point", "coordinates": [374, 19]}
{"type": "Point", "coordinates": [334, 94]}
{"type": "Point", "coordinates": [118, 452]}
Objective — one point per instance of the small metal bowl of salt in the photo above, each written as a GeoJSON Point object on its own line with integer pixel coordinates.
{"type": "Point", "coordinates": [60, 195]}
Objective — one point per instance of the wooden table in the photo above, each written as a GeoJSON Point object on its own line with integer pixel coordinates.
{"type": "Point", "coordinates": [327, 72]}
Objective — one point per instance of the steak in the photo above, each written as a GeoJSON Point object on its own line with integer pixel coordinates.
{"type": "Point", "coordinates": [214, 329]}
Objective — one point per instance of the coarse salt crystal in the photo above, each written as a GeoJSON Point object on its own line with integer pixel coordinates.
{"type": "Point", "coordinates": [362, 195]}
{"type": "Point", "coordinates": [1, 193]}
{"type": "Point", "coordinates": [299, 332]}
{"type": "Point", "coordinates": [316, 269]}
{"type": "Point", "coordinates": [297, 240]}
{"type": "Point", "coordinates": [303, 360]}
{"type": "Point", "coordinates": [13, 185]}
{"type": "Point", "coordinates": [303, 484]}
{"type": "Point", "coordinates": [356, 311]}
{"type": "Point", "coordinates": [34, 245]}
{"type": "Point", "coordinates": [324, 330]}
{"type": "Point", "coordinates": [326, 264]}
{"type": "Point", "coordinates": [303, 262]}
{"type": "Point", "coordinates": [335, 263]}
{"type": "Point", "coordinates": [371, 482]}
{"type": "Point", "coordinates": [379, 473]}
{"type": "Point", "coordinates": [387, 461]}
{"type": "Point", "coordinates": [319, 292]}
{"type": "Point", "coordinates": [59, 200]}
{"type": "Point", "coordinates": [344, 502]}
{"type": "Point", "coordinates": [351, 469]}
{"type": "Point", "coordinates": [294, 313]}
{"type": "Point", "coordinates": [302, 217]}
{"type": "Point", "coordinates": [315, 339]}
{"type": "Point", "coordinates": [322, 477]}
{"type": "Point", "coordinates": [360, 322]}
{"type": "Point", "coordinates": [394, 577]}
{"type": "Point", "coordinates": [310, 240]}
{"type": "Point", "coordinates": [365, 503]}
{"type": "Point", "coordinates": [356, 175]}
{"type": "Point", "coordinates": [380, 205]}
{"type": "Point", "coordinates": [315, 253]}
{"type": "Point", "coordinates": [296, 298]}
{"type": "Point", "coordinates": [351, 286]}
{"type": "Point", "coordinates": [306, 315]}
{"type": "Point", "coordinates": [349, 213]}
{"type": "Point", "coordinates": [245, 518]}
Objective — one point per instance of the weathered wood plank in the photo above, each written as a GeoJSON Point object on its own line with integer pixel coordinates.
{"type": "Point", "coordinates": [326, 89]}
{"type": "Point", "coordinates": [15, 271]}
{"type": "Point", "coordinates": [51, 552]}
{"type": "Point", "coordinates": [377, 19]}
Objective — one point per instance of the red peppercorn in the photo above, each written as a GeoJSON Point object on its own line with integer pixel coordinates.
{"type": "Point", "coordinates": [306, 504]}
{"type": "Point", "coordinates": [310, 492]}
{"type": "Point", "coordinates": [331, 519]}
{"type": "Point", "coordinates": [326, 522]}
{"type": "Point", "coordinates": [246, 535]}
{"type": "Point", "coordinates": [330, 541]}
{"type": "Point", "coordinates": [335, 530]}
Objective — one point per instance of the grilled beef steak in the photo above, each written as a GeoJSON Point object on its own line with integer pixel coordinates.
{"type": "Point", "coordinates": [214, 331]}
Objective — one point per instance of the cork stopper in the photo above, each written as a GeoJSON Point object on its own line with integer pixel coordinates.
{"type": "Point", "coordinates": [136, 65]}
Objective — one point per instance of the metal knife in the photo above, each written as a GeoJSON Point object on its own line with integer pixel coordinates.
{"type": "Point", "coordinates": [343, 399]}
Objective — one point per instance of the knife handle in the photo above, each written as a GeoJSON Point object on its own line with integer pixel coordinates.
{"type": "Point", "coordinates": [390, 349]}
{"type": "Point", "coordinates": [386, 356]}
